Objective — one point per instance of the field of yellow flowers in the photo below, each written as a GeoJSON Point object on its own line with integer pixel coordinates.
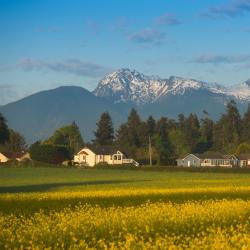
{"type": "Point", "coordinates": [138, 210]}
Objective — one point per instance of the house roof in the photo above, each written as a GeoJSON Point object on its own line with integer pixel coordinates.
{"type": "Point", "coordinates": [105, 149]}
{"type": "Point", "coordinates": [211, 156]}
{"type": "Point", "coordinates": [215, 156]}
{"type": "Point", "coordinates": [13, 155]}
{"type": "Point", "coordinates": [82, 152]}
{"type": "Point", "coordinates": [243, 156]}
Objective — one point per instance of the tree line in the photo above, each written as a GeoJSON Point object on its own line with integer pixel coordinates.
{"type": "Point", "coordinates": [169, 138]}
{"type": "Point", "coordinates": [172, 139]}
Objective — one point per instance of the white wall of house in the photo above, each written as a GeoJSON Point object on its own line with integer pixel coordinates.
{"type": "Point", "coordinates": [117, 158]}
{"type": "Point", "coordinates": [3, 158]}
{"type": "Point", "coordinates": [24, 157]}
{"type": "Point", "coordinates": [189, 161]}
{"type": "Point", "coordinates": [88, 157]}
{"type": "Point", "coordinates": [216, 163]}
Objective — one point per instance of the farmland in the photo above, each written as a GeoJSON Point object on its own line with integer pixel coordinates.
{"type": "Point", "coordinates": [125, 209]}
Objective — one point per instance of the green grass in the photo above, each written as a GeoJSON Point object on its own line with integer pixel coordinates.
{"type": "Point", "coordinates": [38, 182]}
{"type": "Point", "coordinates": [39, 179]}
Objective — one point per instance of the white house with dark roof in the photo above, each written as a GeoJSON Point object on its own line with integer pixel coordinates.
{"type": "Point", "coordinates": [3, 158]}
{"type": "Point", "coordinates": [18, 156]}
{"type": "Point", "coordinates": [90, 156]}
{"type": "Point", "coordinates": [209, 160]}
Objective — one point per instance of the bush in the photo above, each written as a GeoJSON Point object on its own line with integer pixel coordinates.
{"type": "Point", "coordinates": [54, 154]}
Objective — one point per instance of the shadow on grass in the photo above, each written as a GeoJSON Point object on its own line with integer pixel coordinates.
{"type": "Point", "coordinates": [48, 186]}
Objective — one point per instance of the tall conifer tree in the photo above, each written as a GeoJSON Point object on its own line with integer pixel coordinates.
{"type": "Point", "coordinates": [162, 143]}
{"type": "Point", "coordinates": [4, 131]}
{"type": "Point", "coordinates": [104, 134]}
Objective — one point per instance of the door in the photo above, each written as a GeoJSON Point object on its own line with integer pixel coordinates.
{"type": "Point", "coordinates": [189, 163]}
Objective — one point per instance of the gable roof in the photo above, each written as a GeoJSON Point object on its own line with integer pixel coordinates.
{"type": "Point", "coordinates": [213, 156]}
{"type": "Point", "coordinates": [243, 156]}
{"type": "Point", "coordinates": [82, 152]}
{"type": "Point", "coordinates": [13, 155]}
{"type": "Point", "coordinates": [105, 149]}
{"type": "Point", "coordinates": [195, 155]}
{"type": "Point", "coordinates": [231, 157]}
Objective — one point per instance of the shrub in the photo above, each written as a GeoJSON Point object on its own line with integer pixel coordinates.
{"type": "Point", "coordinates": [54, 154]}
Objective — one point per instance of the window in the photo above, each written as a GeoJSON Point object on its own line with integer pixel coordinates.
{"type": "Point", "coordinates": [115, 157]}
{"type": "Point", "coordinates": [110, 157]}
{"type": "Point", "coordinates": [84, 158]}
{"type": "Point", "coordinates": [119, 157]}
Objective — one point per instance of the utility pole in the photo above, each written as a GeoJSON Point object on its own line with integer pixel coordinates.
{"type": "Point", "coordinates": [150, 151]}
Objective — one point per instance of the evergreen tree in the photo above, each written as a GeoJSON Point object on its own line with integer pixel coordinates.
{"type": "Point", "coordinates": [192, 132]}
{"type": "Point", "coordinates": [132, 135]}
{"type": "Point", "coordinates": [4, 131]}
{"type": "Point", "coordinates": [104, 134]}
{"type": "Point", "coordinates": [178, 138]}
{"type": "Point", "coordinates": [16, 142]}
{"type": "Point", "coordinates": [207, 131]}
{"type": "Point", "coordinates": [150, 125]}
{"type": "Point", "coordinates": [245, 135]}
{"type": "Point", "coordinates": [181, 122]}
{"type": "Point", "coordinates": [122, 135]}
{"type": "Point", "coordinates": [227, 129]}
{"type": "Point", "coordinates": [162, 143]}
{"type": "Point", "coordinates": [233, 124]}
{"type": "Point", "coordinates": [133, 126]}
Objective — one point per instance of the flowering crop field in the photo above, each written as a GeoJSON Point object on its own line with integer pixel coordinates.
{"type": "Point", "coordinates": [45, 208]}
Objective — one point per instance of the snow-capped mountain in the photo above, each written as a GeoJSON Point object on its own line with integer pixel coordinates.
{"type": "Point", "coordinates": [240, 91]}
{"type": "Point", "coordinates": [178, 86]}
{"type": "Point", "coordinates": [126, 85]}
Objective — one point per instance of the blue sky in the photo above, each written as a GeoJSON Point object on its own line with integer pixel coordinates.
{"type": "Point", "coordinates": [49, 43]}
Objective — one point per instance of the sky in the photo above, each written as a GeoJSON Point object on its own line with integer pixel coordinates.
{"type": "Point", "coordinates": [49, 43]}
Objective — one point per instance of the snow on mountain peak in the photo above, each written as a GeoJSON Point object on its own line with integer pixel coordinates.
{"type": "Point", "coordinates": [125, 85]}
{"type": "Point", "coordinates": [240, 91]}
{"type": "Point", "coordinates": [130, 85]}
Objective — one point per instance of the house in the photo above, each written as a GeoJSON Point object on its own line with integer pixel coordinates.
{"type": "Point", "coordinates": [191, 160]}
{"type": "Point", "coordinates": [3, 158]}
{"type": "Point", "coordinates": [244, 160]}
{"type": "Point", "coordinates": [18, 156]}
{"type": "Point", "coordinates": [92, 155]}
{"type": "Point", "coordinates": [23, 156]}
{"type": "Point", "coordinates": [209, 160]}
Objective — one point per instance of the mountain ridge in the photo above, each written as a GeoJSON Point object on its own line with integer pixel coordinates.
{"type": "Point", "coordinates": [125, 85]}
{"type": "Point", "coordinates": [38, 115]}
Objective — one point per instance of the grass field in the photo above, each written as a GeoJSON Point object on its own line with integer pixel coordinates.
{"type": "Point", "coordinates": [58, 208]}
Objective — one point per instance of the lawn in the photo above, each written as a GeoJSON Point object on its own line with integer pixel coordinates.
{"type": "Point", "coordinates": [45, 207]}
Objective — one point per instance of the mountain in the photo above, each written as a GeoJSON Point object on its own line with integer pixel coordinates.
{"type": "Point", "coordinates": [37, 116]}
{"type": "Point", "coordinates": [240, 91]}
{"type": "Point", "coordinates": [171, 96]}
{"type": "Point", "coordinates": [130, 86]}
{"type": "Point", "coordinates": [126, 85]}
